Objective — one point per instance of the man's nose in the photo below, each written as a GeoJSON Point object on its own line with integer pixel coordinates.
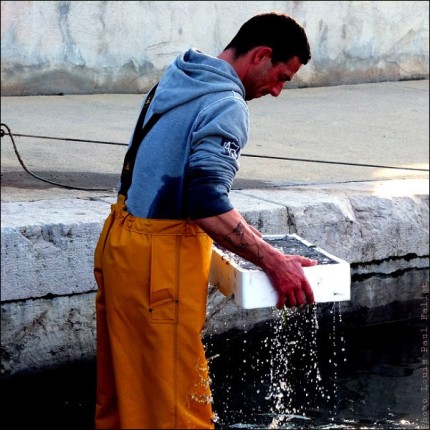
{"type": "Point", "coordinates": [276, 90]}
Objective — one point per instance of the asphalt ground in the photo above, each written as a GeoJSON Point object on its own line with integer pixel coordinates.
{"type": "Point", "coordinates": [325, 135]}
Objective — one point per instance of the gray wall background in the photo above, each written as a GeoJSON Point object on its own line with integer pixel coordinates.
{"type": "Point", "coordinates": [76, 47]}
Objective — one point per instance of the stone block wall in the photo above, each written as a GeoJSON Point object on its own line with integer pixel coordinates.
{"type": "Point", "coordinates": [81, 47]}
{"type": "Point", "coordinates": [48, 287]}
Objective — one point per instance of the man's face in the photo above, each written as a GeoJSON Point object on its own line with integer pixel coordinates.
{"type": "Point", "coordinates": [266, 78]}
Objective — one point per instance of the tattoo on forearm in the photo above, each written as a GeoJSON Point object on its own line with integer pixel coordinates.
{"type": "Point", "coordinates": [237, 240]}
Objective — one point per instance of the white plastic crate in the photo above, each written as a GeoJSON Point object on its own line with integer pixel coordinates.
{"type": "Point", "coordinates": [330, 280]}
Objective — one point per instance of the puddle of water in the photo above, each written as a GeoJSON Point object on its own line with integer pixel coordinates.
{"type": "Point", "coordinates": [294, 373]}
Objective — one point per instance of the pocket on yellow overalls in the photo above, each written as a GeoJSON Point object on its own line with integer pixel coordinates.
{"type": "Point", "coordinates": [164, 294]}
{"type": "Point", "coordinates": [101, 243]}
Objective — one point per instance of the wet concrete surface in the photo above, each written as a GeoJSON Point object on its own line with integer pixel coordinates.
{"type": "Point", "coordinates": [312, 132]}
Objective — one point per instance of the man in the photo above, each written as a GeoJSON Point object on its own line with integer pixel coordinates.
{"type": "Point", "coordinates": [153, 256]}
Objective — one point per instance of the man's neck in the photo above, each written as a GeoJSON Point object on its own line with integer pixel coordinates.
{"type": "Point", "coordinates": [239, 64]}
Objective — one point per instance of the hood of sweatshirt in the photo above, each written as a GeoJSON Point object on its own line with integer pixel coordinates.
{"type": "Point", "coordinates": [192, 75]}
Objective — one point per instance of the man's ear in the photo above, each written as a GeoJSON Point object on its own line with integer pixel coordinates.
{"type": "Point", "coordinates": [260, 53]}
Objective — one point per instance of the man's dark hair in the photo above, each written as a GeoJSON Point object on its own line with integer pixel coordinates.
{"type": "Point", "coordinates": [283, 34]}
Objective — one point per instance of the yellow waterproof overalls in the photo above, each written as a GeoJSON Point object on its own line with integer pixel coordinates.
{"type": "Point", "coordinates": [152, 278]}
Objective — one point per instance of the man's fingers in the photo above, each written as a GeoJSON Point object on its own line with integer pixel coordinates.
{"type": "Point", "coordinates": [281, 300]}
{"type": "Point", "coordinates": [299, 291]}
{"type": "Point", "coordinates": [291, 298]}
{"type": "Point", "coordinates": [296, 296]}
{"type": "Point", "coordinates": [303, 261]}
{"type": "Point", "coordinates": [306, 262]}
{"type": "Point", "coordinates": [309, 294]}
{"type": "Point", "coordinates": [286, 298]}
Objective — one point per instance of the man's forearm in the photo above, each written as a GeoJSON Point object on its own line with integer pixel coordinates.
{"type": "Point", "coordinates": [231, 231]}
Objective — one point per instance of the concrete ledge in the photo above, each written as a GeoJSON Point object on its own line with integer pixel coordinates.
{"type": "Point", "coordinates": [47, 333]}
{"type": "Point", "coordinates": [47, 249]}
{"type": "Point", "coordinates": [47, 246]}
{"type": "Point", "coordinates": [360, 222]}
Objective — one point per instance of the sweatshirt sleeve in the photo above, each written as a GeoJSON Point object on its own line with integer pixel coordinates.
{"type": "Point", "coordinates": [220, 133]}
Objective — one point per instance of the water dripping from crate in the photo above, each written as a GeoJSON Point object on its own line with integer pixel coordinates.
{"type": "Point", "coordinates": [298, 389]}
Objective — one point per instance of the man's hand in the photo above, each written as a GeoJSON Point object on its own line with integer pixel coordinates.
{"type": "Point", "coordinates": [290, 281]}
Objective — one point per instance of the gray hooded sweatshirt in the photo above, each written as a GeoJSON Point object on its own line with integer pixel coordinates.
{"type": "Point", "coordinates": [186, 164]}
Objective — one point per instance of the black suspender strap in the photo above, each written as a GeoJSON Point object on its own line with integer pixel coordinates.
{"type": "Point", "coordinates": [138, 136]}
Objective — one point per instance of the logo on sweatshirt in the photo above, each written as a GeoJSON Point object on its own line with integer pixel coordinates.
{"type": "Point", "coordinates": [232, 148]}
